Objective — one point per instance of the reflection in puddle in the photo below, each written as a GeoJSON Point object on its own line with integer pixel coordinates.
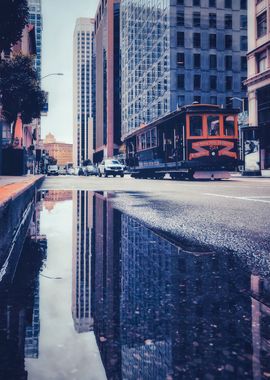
{"type": "Point", "coordinates": [133, 299]}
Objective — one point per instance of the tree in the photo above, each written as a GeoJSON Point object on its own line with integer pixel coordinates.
{"type": "Point", "coordinates": [20, 90]}
{"type": "Point", "coordinates": [52, 160]}
{"type": "Point", "coordinates": [14, 16]}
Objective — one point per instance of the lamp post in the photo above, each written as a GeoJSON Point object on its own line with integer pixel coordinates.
{"type": "Point", "coordinates": [240, 100]}
{"type": "Point", "coordinates": [52, 74]}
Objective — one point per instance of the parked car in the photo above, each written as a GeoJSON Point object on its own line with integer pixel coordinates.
{"type": "Point", "coordinates": [110, 167]}
{"type": "Point", "coordinates": [80, 171]}
{"type": "Point", "coordinates": [62, 170]}
{"type": "Point", "coordinates": [71, 171]}
{"type": "Point", "coordinates": [52, 170]}
{"type": "Point", "coordinates": [90, 170]}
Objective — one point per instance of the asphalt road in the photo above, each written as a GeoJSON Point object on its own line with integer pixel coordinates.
{"type": "Point", "coordinates": [226, 216]}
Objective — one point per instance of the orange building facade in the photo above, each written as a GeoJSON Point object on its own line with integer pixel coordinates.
{"type": "Point", "coordinates": [60, 151]}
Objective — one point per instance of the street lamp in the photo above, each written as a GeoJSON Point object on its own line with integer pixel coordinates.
{"type": "Point", "coordinates": [48, 75]}
{"type": "Point", "coordinates": [240, 100]}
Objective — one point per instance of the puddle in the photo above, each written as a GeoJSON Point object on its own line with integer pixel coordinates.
{"type": "Point", "coordinates": [117, 300]}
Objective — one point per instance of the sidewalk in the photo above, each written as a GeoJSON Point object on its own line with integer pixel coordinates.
{"type": "Point", "coordinates": [265, 174]}
{"type": "Point", "coordinates": [12, 187]}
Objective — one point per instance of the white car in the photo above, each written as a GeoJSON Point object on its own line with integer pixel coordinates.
{"type": "Point", "coordinates": [52, 170]}
{"type": "Point", "coordinates": [110, 167]}
{"type": "Point", "coordinates": [90, 170]}
{"type": "Point", "coordinates": [71, 171]}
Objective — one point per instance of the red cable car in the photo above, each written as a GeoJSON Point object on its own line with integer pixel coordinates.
{"type": "Point", "coordinates": [195, 142]}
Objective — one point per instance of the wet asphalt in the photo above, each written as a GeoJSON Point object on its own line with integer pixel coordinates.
{"type": "Point", "coordinates": [231, 215]}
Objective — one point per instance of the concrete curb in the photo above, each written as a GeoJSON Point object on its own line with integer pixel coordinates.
{"type": "Point", "coordinates": [13, 190]}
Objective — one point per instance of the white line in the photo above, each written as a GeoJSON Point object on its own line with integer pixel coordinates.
{"type": "Point", "coordinates": [240, 198]}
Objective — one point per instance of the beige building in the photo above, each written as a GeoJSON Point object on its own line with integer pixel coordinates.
{"type": "Point", "coordinates": [62, 152]}
{"type": "Point", "coordinates": [258, 81]}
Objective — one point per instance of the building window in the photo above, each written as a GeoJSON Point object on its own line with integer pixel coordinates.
{"type": "Point", "coordinates": [196, 61]}
{"type": "Point", "coordinates": [244, 63]}
{"type": "Point", "coordinates": [228, 62]}
{"type": "Point", "coordinates": [228, 21]}
{"type": "Point", "coordinates": [228, 41]}
{"type": "Point", "coordinates": [196, 19]}
{"type": "Point", "coordinates": [228, 3]}
{"type": "Point", "coordinates": [243, 86]}
{"type": "Point", "coordinates": [197, 82]}
{"type": "Point", "coordinates": [181, 81]}
{"type": "Point", "coordinates": [181, 100]}
{"type": "Point", "coordinates": [212, 20]}
{"type": "Point", "coordinates": [180, 18]}
{"type": "Point", "coordinates": [181, 39]}
{"type": "Point", "coordinates": [196, 3]}
{"type": "Point", "coordinates": [212, 41]}
{"type": "Point", "coordinates": [197, 40]}
{"type": "Point", "coordinates": [181, 59]}
{"type": "Point", "coordinates": [243, 22]}
{"type": "Point", "coordinates": [180, 2]}
{"type": "Point", "coordinates": [243, 43]}
{"type": "Point", "coordinates": [212, 61]}
{"type": "Point", "coordinates": [228, 102]}
{"type": "Point", "coordinates": [243, 4]}
{"type": "Point", "coordinates": [262, 61]}
{"type": "Point", "coordinates": [213, 82]}
{"type": "Point", "coordinates": [213, 100]}
{"type": "Point", "coordinates": [212, 3]}
{"type": "Point", "coordinates": [261, 25]}
{"type": "Point", "coordinates": [197, 99]}
{"type": "Point", "coordinates": [228, 83]}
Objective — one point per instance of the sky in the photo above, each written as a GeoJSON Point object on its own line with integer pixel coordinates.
{"type": "Point", "coordinates": [59, 18]}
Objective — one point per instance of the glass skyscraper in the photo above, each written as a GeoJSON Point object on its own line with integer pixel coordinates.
{"type": "Point", "coordinates": [176, 52]}
{"type": "Point", "coordinates": [35, 18]}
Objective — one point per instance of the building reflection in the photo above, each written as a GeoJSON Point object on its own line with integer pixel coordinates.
{"type": "Point", "coordinates": [165, 311]}
{"type": "Point", "coordinates": [19, 311]}
{"type": "Point", "coordinates": [81, 266]}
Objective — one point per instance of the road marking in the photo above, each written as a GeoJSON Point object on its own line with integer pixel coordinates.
{"type": "Point", "coordinates": [239, 198]}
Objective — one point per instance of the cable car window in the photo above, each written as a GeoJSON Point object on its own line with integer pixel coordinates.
{"type": "Point", "coordinates": [143, 141]}
{"type": "Point", "coordinates": [139, 143]}
{"type": "Point", "coordinates": [228, 125]}
{"type": "Point", "coordinates": [213, 125]}
{"type": "Point", "coordinates": [196, 126]}
{"type": "Point", "coordinates": [148, 139]}
{"type": "Point", "coordinates": [154, 137]}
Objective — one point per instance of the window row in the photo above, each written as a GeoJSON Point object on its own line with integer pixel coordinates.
{"type": "Point", "coordinates": [212, 63]}
{"type": "Point", "coordinates": [212, 20]}
{"type": "Point", "coordinates": [197, 82]}
{"type": "Point", "coordinates": [147, 140]}
{"type": "Point", "coordinates": [212, 41]}
{"type": "Point", "coordinates": [213, 3]}
{"type": "Point", "coordinates": [217, 126]}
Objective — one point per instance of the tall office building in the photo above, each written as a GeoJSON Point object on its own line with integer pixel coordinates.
{"type": "Point", "coordinates": [258, 81]}
{"type": "Point", "coordinates": [35, 18]}
{"type": "Point", "coordinates": [81, 269]}
{"type": "Point", "coordinates": [107, 118]}
{"type": "Point", "coordinates": [175, 52]}
{"type": "Point", "coordinates": [82, 89]}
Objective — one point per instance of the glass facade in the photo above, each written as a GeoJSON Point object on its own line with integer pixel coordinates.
{"type": "Point", "coordinates": [174, 53]}
{"type": "Point", "coordinates": [145, 49]}
{"type": "Point", "coordinates": [35, 18]}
